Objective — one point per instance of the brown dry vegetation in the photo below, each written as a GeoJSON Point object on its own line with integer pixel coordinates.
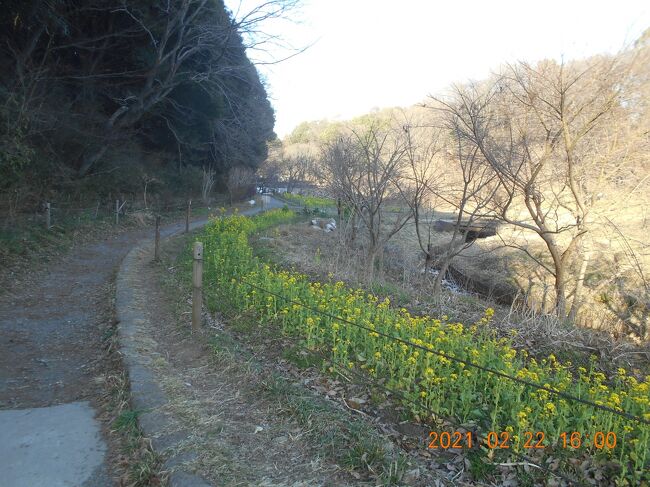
{"type": "Point", "coordinates": [324, 256]}
{"type": "Point", "coordinates": [262, 413]}
{"type": "Point", "coordinates": [263, 410]}
{"type": "Point", "coordinates": [555, 153]}
{"type": "Point", "coordinates": [619, 263]}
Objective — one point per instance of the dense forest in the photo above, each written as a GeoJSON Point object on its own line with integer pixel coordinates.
{"type": "Point", "coordinates": [101, 96]}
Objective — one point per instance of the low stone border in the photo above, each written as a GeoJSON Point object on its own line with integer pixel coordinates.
{"type": "Point", "coordinates": [137, 349]}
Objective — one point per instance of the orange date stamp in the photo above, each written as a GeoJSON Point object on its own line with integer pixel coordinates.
{"type": "Point", "coordinates": [445, 440]}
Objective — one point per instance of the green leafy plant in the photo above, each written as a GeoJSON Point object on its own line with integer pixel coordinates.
{"type": "Point", "coordinates": [317, 312]}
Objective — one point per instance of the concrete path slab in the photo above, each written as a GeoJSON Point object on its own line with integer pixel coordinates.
{"type": "Point", "coordinates": [57, 446]}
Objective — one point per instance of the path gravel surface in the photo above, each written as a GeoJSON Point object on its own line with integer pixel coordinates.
{"type": "Point", "coordinates": [51, 327]}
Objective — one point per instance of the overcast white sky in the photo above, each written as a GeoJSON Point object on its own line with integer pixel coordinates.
{"type": "Point", "coordinates": [374, 54]}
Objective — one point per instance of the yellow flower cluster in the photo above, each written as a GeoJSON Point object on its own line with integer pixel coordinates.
{"type": "Point", "coordinates": [309, 201]}
{"type": "Point", "coordinates": [428, 381]}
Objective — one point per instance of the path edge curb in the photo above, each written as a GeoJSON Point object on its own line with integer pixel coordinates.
{"type": "Point", "coordinates": [146, 395]}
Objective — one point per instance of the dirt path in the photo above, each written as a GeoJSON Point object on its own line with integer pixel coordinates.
{"type": "Point", "coordinates": [50, 322]}
{"type": "Point", "coordinates": [52, 327]}
{"type": "Point", "coordinates": [206, 418]}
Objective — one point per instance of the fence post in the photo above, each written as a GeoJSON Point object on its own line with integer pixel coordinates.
{"type": "Point", "coordinates": [187, 216]}
{"type": "Point", "coordinates": [117, 212]}
{"type": "Point", "coordinates": [197, 282]}
{"type": "Point", "coordinates": [48, 216]}
{"type": "Point", "coordinates": [156, 255]}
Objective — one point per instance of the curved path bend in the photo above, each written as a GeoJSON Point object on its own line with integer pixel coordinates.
{"type": "Point", "coordinates": [52, 326]}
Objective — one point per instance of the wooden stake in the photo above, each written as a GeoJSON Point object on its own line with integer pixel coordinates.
{"type": "Point", "coordinates": [156, 255]}
{"type": "Point", "coordinates": [48, 216]}
{"type": "Point", "coordinates": [117, 212]}
{"type": "Point", "coordinates": [197, 284]}
{"type": "Point", "coordinates": [187, 216]}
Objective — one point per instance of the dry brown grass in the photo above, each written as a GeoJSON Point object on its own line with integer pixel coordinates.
{"type": "Point", "coordinates": [244, 419]}
{"type": "Point", "coordinates": [324, 256]}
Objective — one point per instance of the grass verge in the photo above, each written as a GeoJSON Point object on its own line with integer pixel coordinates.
{"type": "Point", "coordinates": [339, 436]}
{"type": "Point", "coordinates": [131, 456]}
{"type": "Point", "coordinates": [432, 385]}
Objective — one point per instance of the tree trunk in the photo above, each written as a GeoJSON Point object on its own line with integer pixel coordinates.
{"type": "Point", "coordinates": [90, 161]}
{"type": "Point", "coordinates": [577, 295]}
{"type": "Point", "coordinates": [379, 259]}
{"type": "Point", "coordinates": [427, 259]}
{"type": "Point", "coordinates": [452, 250]}
{"type": "Point", "coordinates": [560, 292]}
{"type": "Point", "coordinates": [374, 253]}
{"type": "Point", "coordinates": [370, 266]}
{"type": "Point", "coordinates": [559, 269]}
{"type": "Point", "coordinates": [542, 307]}
{"type": "Point", "coordinates": [528, 295]}
{"type": "Point", "coordinates": [353, 227]}
{"type": "Point", "coordinates": [437, 283]}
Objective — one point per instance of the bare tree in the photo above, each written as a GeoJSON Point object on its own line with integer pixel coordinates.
{"type": "Point", "coordinates": [544, 132]}
{"type": "Point", "coordinates": [184, 42]}
{"type": "Point", "coordinates": [146, 181]}
{"type": "Point", "coordinates": [364, 169]}
{"type": "Point", "coordinates": [467, 186]}
{"type": "Point", "coordinates": [421, 181]}
{"type": "Point", "coordinates": [207, 183]}
{"type": "Point", "coordinates": [239, 179]}
{"type": "Point", "coordinates": [295, 168]}
{"type": "Point", "coordinates": [269, 172]}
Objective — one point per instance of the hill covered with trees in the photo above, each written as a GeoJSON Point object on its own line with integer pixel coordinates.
{"type": "Point", "coordinates": [103, 95]}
